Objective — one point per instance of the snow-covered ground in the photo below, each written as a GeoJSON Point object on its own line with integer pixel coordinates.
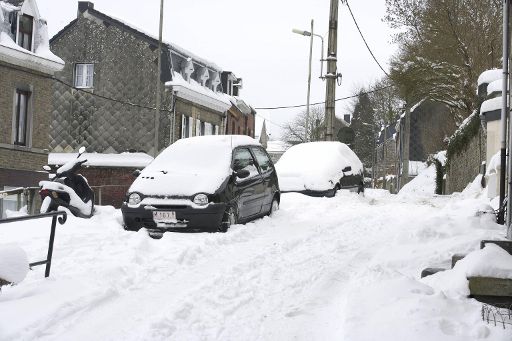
{"type": "Point", "coordinates": [345, 268]}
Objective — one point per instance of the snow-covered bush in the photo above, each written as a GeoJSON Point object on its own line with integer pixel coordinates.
{"type": "Point", "coordinates": [13, 264]}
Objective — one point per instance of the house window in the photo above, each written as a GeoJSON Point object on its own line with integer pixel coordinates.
{"type": "Point", "coordinates": [84, 75]}
{"type": "Point", "coordinates": [186, 127]}
{"type": "Point", "coordinates": [21, 117]}
{"type": "Point", "coordinates": [25, 32]}
{"type": "Point", "coordinates": [203, 129]}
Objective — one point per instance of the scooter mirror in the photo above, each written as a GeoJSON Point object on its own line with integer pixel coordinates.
{"type": "Point", "coordinates": [47, 168]}
{"type": "Point", "coordinates": [81, 150]}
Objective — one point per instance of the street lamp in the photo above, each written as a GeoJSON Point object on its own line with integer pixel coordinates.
{"type": "Point", "coordinates": [311, 35]}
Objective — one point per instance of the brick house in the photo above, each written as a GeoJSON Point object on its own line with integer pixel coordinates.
{"type": "Point", "coordinates": [108, 104]}
{"type": "Point", "coordinates": [107, 98]}
{"type": "Point", "coordinates": [26, 68]}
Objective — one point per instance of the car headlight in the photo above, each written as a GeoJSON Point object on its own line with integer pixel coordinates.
{"type": "Point", "coordinates": [201, 199]}
{"type": "Point", "coordinates": [134, 199]}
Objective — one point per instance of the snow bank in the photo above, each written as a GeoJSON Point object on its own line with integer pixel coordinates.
{"type": "Point", "coordinates": [491, 261]}
{"type": "Point", "coordinates": [424, 184]}
{"type": "Point", "coordinates": [490, 76]}
{"type": "Point", "coordinates": [191, 166]}
{"type": "Point", "coordinates": [13, 263]}
{"type": "Point", "coordinates": [123, 160]}
{"type": "Point", "coordinates": [315, 166]}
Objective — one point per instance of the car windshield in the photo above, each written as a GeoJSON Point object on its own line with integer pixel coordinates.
{"type": "Point", "coordinates": [193, 157]}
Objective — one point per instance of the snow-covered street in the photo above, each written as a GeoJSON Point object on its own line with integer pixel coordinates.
{"type": "Point", "coordinates": [346, 268]}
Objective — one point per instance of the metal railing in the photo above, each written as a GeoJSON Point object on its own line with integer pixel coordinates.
{"type": "Point", "coordinates": [55, 217]}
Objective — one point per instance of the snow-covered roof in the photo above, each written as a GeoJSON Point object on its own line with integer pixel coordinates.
{"type": "Point", "coordinates": [41, 59]}
{"type": "Point", "coordinates": [195, 92]}
{"type": "Point", "coordinates": [490, 76]}
{"type": "Point", "coordinates": [277, 146]}
{"type": "Point", "coordinates": [175, 48]}
{"type": "Point", "coordinates": [491, 105]}
{"type": "Point", "coordinates": [123, 160]}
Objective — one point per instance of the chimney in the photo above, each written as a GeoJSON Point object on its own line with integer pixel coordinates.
{"type": "Point", "coordinates": [84, 6]}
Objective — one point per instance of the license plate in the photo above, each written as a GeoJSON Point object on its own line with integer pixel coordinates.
{"type": "Point", "coordinates": [164, 216]}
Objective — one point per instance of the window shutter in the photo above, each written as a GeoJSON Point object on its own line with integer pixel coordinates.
{"type": "Point", "coordinates": [198, 127]}
{"type": "Point", "coordinates": [184, 126]}
{"type": "Point", "coordinates": [190, 126]}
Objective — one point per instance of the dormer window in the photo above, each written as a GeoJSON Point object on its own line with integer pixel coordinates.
{"type": "Point", "coordinates": [188, 69]}
{"type": "Point", "coordinates": [25, 31]}
{"type": "Point", "coordinates": [204, 76]}
{"type": "Point", "coordinates": [215, 81]}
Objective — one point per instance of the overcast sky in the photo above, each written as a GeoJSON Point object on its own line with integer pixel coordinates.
{"type": "Point", "coordinates": [254, 40]}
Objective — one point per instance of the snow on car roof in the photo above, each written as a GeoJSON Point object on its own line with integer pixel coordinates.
{"type": "Point", "coordinates": [310, 154]}
{"type": "Point", "coordinates": [190, 166]}
{"type": "Point", "coordinates": [315, 166]}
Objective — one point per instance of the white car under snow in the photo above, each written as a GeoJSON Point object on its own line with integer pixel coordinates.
{"type": "Point", "coordinates": [319, 169]}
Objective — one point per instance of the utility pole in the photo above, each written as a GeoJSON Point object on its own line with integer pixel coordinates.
{"type": "Point", "coordinates": [332, 74]}
{"type": "Point", "coordinates": [306, 136]}
{"type": "Point", "coordinates": [158, 81]}
{"type": "Point", "coordinates": [504, 108]}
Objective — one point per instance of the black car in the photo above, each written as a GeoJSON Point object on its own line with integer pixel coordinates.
{"type": "Point", "coordinates": [205, 183]}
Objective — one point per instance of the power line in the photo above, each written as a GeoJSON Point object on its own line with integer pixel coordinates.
{"type": "Point", "coordinates": [364, 40]}
{"type": "Point", "coordinates": [319, 103]}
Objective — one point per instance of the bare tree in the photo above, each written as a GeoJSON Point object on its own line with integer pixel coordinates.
{"type": "Point", "coordinates": [295, 131]}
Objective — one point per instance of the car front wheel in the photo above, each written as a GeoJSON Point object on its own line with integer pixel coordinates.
{"type": "Point", "coordinates": [274, 207]}
{"type": "Point", "coordinates": [228, 219]}
{"type": "Point", "coordinates": [360, 188]}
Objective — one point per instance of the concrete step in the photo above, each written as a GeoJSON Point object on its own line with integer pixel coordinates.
{"type": "Point", "coordinates": [491, 290]}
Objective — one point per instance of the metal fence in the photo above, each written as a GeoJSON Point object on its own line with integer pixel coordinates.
{"type": "Point", "coordinates": [17, 198]}
{"type": "Point", "coordinates": [56, 216]}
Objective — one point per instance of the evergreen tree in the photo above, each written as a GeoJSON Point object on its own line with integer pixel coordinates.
{"type": "Point", "coordinates": [363, 124]}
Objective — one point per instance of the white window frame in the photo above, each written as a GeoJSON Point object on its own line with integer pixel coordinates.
{"type": "Point", "coordinates": [84, 76]}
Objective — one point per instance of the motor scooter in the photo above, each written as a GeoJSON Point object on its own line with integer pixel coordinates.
{"type": "Point", "coordinates": [68, 189]}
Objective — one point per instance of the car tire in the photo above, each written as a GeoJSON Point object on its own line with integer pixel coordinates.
{"type": "Point", "coordinates": [229, 218]}
{"type": "Point", "coordinates": [360, 188]}
{"type": "Point", "coordinates": [333, 192]}
{"type": "Point", "coordinates": [274, 207]}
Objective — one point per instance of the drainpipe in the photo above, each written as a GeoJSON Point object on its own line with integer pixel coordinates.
{"type": "Point", "coordinates": [505, 107]}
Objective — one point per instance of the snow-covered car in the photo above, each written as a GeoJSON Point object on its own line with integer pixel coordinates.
{"type": "Point", "coordinates": [320, 169]}
{"type": "Point", "coordinates": [205, 183]}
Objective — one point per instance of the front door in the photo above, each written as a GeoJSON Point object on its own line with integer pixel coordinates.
{"type": "Point", "coordinates": [248, 190]}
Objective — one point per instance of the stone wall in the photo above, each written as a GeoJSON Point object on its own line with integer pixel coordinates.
{"type": "Point", "coordinates": [32, 157]}
{"type": "Point", "coordinates": [114, 183]}
{"type": "Point", "coordinates": [465, 166]}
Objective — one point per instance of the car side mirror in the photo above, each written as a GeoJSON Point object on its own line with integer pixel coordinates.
{"type": "Point", "coordinates": [347, 169]}
{"type": "Point", "coordinates": [242, 173]}
{"type": "Point", "coordinates": [136, 173]}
